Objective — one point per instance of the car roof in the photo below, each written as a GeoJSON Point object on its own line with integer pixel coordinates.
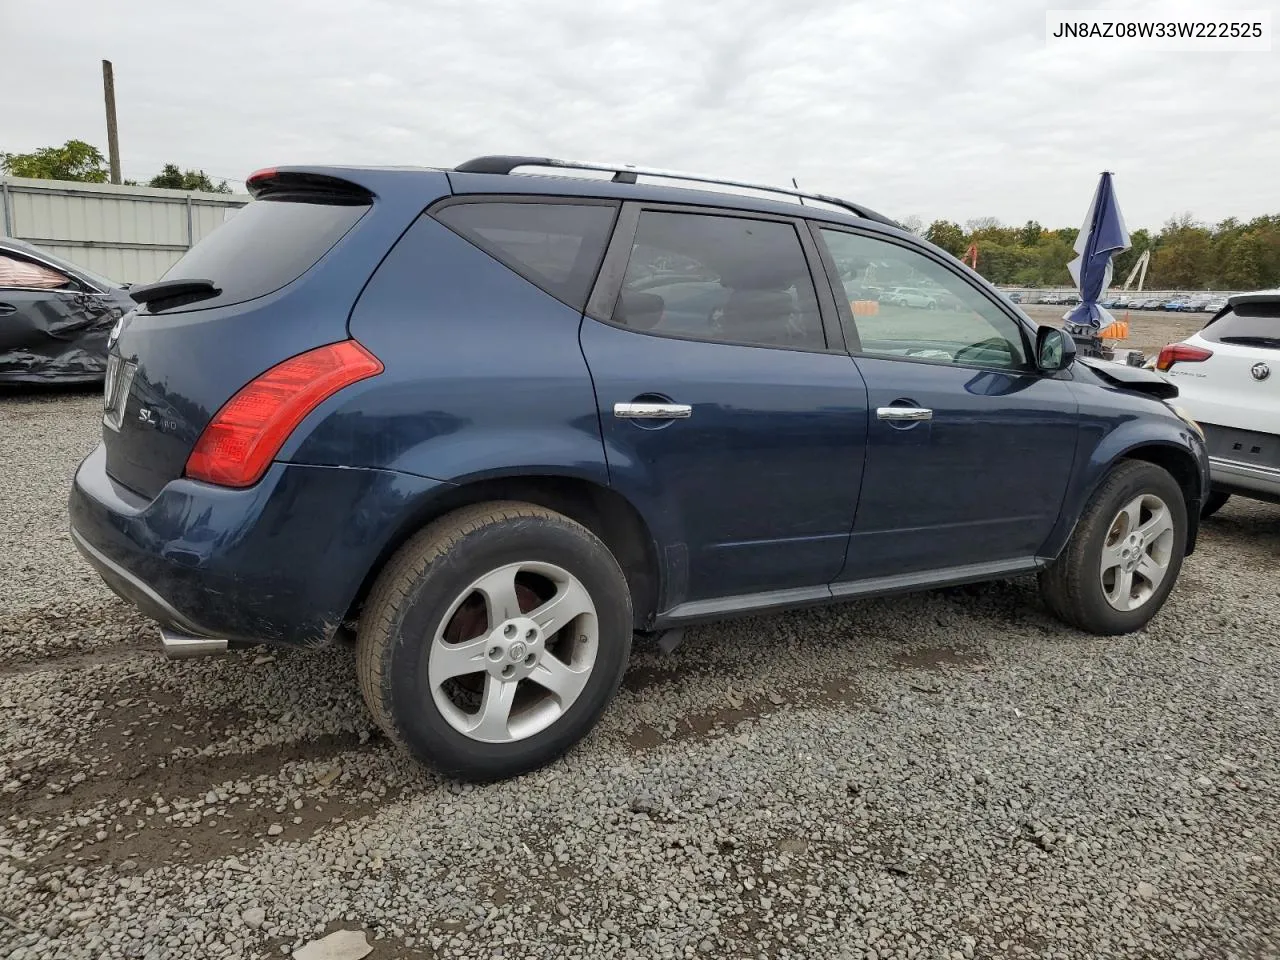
{"type": "Point", "coordinates": [728, 195]}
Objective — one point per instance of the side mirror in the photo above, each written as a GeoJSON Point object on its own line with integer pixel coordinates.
{"type": "Point", "coordinates": [1055, 349]}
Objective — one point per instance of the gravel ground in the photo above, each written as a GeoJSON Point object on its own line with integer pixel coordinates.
{"type": "Point", "coordinates": [946, 775]}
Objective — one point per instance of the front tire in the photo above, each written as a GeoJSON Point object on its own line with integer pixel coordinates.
{"type": "Point", "coordinates": [1123, 559]}
{"type": "Point", "coordinates": [494, 639]}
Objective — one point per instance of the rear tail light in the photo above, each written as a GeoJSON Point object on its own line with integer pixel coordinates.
{"type": "Point", "coordinates": [246, 434]}
{"type": "Point", "coordinates": [1181, 353]}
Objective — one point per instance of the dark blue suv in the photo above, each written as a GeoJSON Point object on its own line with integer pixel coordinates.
{"type": "Point", "coordinates": [499, 422]}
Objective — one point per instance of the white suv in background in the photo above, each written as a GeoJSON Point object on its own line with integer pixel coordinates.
{"type": "Point", "coordinates": [1228, 379]}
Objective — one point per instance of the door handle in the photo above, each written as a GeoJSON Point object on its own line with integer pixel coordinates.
{"type": "Point", "coordinates": [652, 411]}
{"type": "Point", "coordinates": [6, 309]}
{"type": "Point", "coordinates": [904, 413]}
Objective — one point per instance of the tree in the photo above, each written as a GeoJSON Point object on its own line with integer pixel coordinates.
{"type": "Point", "coordinates": [982, 224]}
{"type": "Point", "coordinates": [947, 235]}
{"type": "Point", "coordinates": [1029, 235]}
{"type": "Point", "coordinates": [74, 160]}
{"type": "Point", "coordinates": [170, 177]}
{"type": "Point", "coordinates": [1243, 269]}
{"type": "Point", "coordinates": [912, 224]}
{"type": "Point", "coordinates": [1182, 257]}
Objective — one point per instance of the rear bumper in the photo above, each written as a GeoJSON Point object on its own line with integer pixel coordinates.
{"type": "Point", "coordinates": [279, 562]}
{"type": "Point", "coordinates": [1245, 479]}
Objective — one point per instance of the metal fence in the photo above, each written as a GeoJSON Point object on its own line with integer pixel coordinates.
{"type": "Point", "coordinates": [130, 234]}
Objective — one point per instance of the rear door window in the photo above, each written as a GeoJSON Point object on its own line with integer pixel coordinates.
{"type": "Point", "coordinates": [723, 278]}
{"type": "Point", "coordinates": [267, 244]}
{"type": "Point", "coordinates": [1247, 325]}
{"type": "Point", "coordinates": [556, 246]}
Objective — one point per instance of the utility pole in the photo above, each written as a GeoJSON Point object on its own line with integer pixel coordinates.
{"type": "Point", "coordinates": [113, 140]}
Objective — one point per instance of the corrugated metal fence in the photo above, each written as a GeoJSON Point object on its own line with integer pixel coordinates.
{"type": "Point", "coordinates": [130, 234]}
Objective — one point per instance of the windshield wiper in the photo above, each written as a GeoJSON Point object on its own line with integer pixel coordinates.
{"type": "Point", "coordinates": [1252, 341]}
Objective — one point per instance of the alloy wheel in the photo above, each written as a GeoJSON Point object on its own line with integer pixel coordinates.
{"type": "Point", "coordinates": [1136, 552]}
{"type": "Point", "coordinates": [513, 652]}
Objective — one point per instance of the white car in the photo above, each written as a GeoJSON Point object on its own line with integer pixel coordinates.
{"type": "Point", "coordinates": [1228, 379]}
{"type": "Point", "coordinates": [910, 297]}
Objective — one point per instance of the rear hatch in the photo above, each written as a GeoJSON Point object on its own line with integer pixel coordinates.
{"type": "Point", "coordinates": [1238, 384]}
{"type": "Point", "coordinates": [245, 298]}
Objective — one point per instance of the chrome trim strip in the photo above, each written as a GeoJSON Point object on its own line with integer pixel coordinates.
{"type": "Point", "coordinates": [1250, 469]}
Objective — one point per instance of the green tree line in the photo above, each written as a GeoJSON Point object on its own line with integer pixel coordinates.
{"type": "Point", "coordinates": [77, 160]}
{"type": "Point", "coordinates": [1185, 254]}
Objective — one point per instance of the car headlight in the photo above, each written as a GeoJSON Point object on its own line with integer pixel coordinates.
{"type": "Point", "coordinates": [1188, 420]}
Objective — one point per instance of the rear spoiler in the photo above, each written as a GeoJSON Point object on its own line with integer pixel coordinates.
{"type": "Point", "coordinates": [1137, 379]}
{"type": "Point", "coordinates": [1259, 299]}
{"type": "Point", "coordinates": [300, 186]}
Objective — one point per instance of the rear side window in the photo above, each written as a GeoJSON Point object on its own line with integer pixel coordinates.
{"type": "Point", "coordinates": [729, 279]}
{"type": "Point", "coordinates": [1247, 324]}
{"type": "Point", "coordinates": [264, 246]}
{"type": "Point", "coordinates": [557, 246]}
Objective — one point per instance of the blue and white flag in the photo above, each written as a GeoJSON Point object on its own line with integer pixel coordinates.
{"type": "Point", "coordinates": [1103, 235]}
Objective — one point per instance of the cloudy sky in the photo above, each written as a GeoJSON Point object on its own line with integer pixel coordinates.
{"type": "Point", "coordinates": [935, 108]}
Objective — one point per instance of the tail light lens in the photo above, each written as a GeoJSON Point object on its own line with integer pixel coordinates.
{"type": "Point", "coordinates": [1181, 353]}
{"type": "Point", "coordinates": [246, 434]}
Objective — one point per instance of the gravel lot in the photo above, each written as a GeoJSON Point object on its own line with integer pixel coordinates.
{"type": "Point", "coordinates": [946, 775]}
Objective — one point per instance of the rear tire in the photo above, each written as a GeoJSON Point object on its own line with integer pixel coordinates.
{"type": "Point", "coordinates": [1132, 532]}
{"type": "Point", "coordinates": [1214, 502]}
{"type": "Point", "coordinates": [494, 639]}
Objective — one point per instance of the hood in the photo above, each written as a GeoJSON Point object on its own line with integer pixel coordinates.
{"type": "Point", "coordinates": [1137, 379]}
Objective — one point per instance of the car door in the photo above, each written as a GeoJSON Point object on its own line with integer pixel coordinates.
{"type": "Point", "coordinates": [49, 322]}
{"type": "Point", "coordinates": [969, 446]}
{"type": "Point", "coordinates": [731, 414]}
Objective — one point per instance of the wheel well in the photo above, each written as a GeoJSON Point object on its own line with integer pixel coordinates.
{"type": "Point", "coordinates": [1183, 468]}
{"type": "Point", "coordinates": [607, 514]}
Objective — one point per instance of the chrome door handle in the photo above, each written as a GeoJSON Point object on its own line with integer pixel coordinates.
{"type": "Point", "coordinates": [652, 411]}
{"type": "Point", "coordinates": [904, 413]}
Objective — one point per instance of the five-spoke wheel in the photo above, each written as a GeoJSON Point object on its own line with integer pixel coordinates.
{"type": "Point", "coordinates": [1124, 556]}
{"type": "Point", "coordinates": [1136, 552]}
{"type": "Point", "coordinates": [494, 639]}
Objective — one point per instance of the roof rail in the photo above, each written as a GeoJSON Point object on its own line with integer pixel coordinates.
{"type": "Point", "coordinates": [627, 173]}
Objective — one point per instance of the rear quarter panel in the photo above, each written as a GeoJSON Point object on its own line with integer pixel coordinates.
{"type": "Point", "coordinates": [483, 374]}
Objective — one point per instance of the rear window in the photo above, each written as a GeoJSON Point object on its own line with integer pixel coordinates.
{"type": "Point", "coordinates": [264, 246]}
{"type": "Point", "coordinates": [557, 246]}
{"type": "Point", "coordinates": [1247, 324]}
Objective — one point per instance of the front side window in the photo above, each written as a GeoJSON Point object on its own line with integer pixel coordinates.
{"type": "Point", "coordinates": [729, 279]}
{"type": "Point", "coordinates": [29, 275]}
{"type": "Point", "coordinates": [904, 304]}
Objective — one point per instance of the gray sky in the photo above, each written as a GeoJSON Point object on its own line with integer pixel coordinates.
{"type": "Point", "coordinates": [935, 108]}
